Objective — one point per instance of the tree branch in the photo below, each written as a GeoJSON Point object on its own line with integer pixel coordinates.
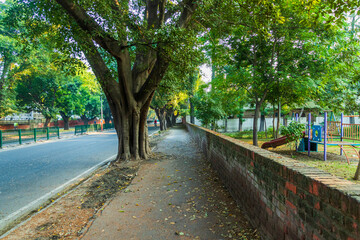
{"type": "Point", "coordinates": [102, 72]}
{"type": "Point", "coordinates": [162, 64]}
{"type": "Point", "coordinates": [90, 26]}
{"type": "Point", "coordinates": [153, 79]}
{"type": "Point", "coordinates": [187, 13]}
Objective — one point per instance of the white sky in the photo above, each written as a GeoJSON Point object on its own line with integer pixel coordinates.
{"type": "Point", "coordinates": [205, 71]}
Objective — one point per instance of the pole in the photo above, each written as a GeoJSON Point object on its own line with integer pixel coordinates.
{"type": "Point", "coordinates": [101, 114]}
{"type": "Point", "coordinates": [341, 131]}
{"type": "Point", "coordinates": [1, 140]}
{"type": "Point", "coordinates": [309, 126]}
{"type": "Point", "coordinates": [297, 117]}
{"type": "Point", "coordinates": [20, 142]}
{"type": "Point", "coordinates": [47, 134]}
{"type": "Point", "coordinates": [325, 134]}
{"type": "Point", "coordinates": [34, 134]}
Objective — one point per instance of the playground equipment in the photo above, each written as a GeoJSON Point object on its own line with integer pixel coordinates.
{"type": "Point", "coordinates": [333, 133]}
{"type": "Point", "coordinates": [278, 141]}
{"type": "Point", "coordinates": [275, 142]}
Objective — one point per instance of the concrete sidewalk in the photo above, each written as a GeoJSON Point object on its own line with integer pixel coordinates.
{"type": "Point", "coordinates": [177, 196]}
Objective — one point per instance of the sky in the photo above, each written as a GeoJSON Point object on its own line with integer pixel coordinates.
{"type": "Point", "coordinates": [205, 71]}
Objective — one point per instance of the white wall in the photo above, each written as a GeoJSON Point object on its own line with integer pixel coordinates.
{"type": "Point", "coordinates": [233, 124]}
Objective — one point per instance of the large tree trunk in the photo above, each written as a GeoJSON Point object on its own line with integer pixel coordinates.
{"type": "Point", "coordinates": [168, 121]}
{"type": "Point", "coordinates": [173, 118]}
{"type": "Point", "coordinates": [161, 114]}
{"type": "Point", "coordinates": [65, 119]}
{"type": "Point", "coordinates": [169, 114]}
{"type": "Point", "coordinates": [132, 131]}
{"type": "Point", "coordinates": [47, 121]}
{"type": "Point", "coordinates": [138, 75]}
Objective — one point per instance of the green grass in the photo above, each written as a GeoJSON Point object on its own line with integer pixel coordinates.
{"type": "Point", "coordinates": [335, 165]}
{"type": "Point", "coordinates": [72, 129]}
{"type": "Point", "coordinates": [340, 169]}
{"type": "Point", "coordinates": [249, 135]}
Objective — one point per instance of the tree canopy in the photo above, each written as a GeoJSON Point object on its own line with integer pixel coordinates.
{"type": "Point", "coordinates": [145, 53]}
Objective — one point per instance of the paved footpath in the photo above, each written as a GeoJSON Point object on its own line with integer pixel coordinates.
{"type": "Point", "coordinates": [177, 196]}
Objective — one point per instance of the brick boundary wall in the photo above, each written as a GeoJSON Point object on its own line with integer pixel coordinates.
{"type": "Point", "coordinates": [283, 198]}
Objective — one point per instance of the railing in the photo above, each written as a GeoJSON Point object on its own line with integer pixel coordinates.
{"type": "Point", "coordinates": [81, 129]}
{"type": "Point", "coordinates": [108, 126]}
{"type": "Point", "coordinates": [351, 131]}
{"type": "Point", "coordinates": [21, 135]}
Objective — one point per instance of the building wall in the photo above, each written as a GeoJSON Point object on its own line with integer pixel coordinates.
{"type": "Point", "coordinates": [284, 199]}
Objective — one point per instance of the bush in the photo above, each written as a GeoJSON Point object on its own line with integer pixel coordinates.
{"type": "Point", "coordinates": [294, 131]}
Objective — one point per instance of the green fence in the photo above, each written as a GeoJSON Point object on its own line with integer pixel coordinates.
{"type": "Point", "coordinates": [26, 135]}
{"type": "Point", "coordinates": [80, 129]}
{"type": "Point", "coordinates": [108, 126]}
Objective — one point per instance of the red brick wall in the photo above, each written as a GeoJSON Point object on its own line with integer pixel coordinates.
{"type": "Point", "coordinates": [284, 199]}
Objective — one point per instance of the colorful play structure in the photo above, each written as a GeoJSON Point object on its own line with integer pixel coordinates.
{"type": "Point", "coordinates": [330, 133]}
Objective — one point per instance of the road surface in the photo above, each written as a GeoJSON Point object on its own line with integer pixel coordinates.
{"type": "Point", "coordinates": [30, 174]}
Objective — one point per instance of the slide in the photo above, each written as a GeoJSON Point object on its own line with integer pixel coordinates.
{"type": "Point", "coordinates": [275, 142]}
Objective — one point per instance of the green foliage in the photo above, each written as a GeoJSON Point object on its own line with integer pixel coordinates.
{"type": "Point", "coordinates": [90, 96]}
{"type": "Point", "coordinates": [9, 55]}
{"type": "Point", "coordinates": [208, 110]}
{"type": "Point", "coordinates": [294, 131]}
{"type": "Point", "coordinates": [37, 92]}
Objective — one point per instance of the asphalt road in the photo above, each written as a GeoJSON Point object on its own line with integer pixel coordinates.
{"type": "Point", "coordinates": [30, 174]}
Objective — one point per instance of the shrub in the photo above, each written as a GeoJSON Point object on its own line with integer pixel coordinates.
{"type": "Point", "coordinates": [294, 131]}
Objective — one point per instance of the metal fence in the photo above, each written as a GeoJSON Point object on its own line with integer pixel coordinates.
{"type": "Point", "coordinates": [81, 129]}
{"type": "Point", "coordinates": [26, 135]}
{"type": "Point", "coordinates": [108, 126]}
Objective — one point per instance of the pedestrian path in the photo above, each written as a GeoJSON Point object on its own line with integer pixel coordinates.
{"type": "Point", "coordinates": [175, 195]}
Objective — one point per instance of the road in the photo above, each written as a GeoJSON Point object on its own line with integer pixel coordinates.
{"type": "Point", "coordinates": [30, 174]}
